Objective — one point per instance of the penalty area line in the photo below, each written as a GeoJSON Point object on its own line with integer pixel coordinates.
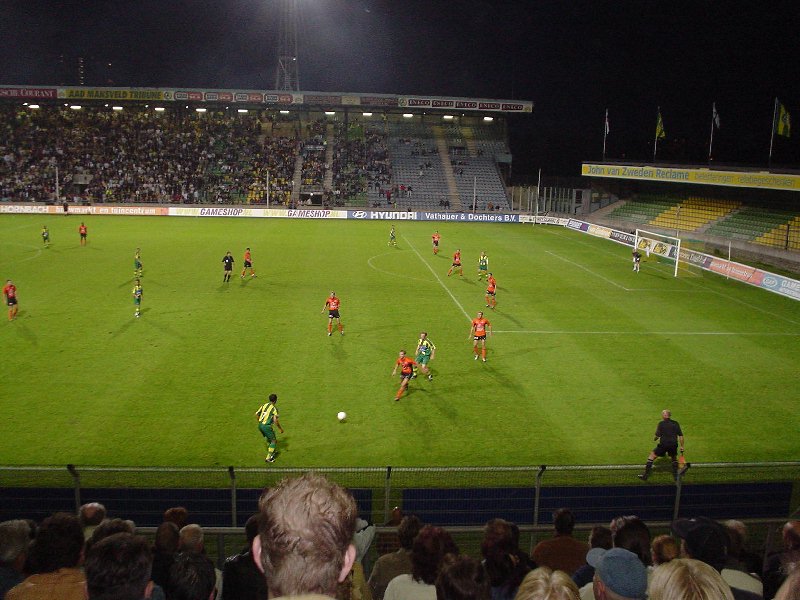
{"type": "Point", "coordinates": [580, 266]}
{"type": "Point", "coordinates": [439, 279]}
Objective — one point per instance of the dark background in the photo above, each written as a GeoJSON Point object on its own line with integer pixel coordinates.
{"type": "Point", "coordinates": [572, 58]}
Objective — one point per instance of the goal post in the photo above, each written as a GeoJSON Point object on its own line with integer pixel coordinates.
{"type": "Point", "coordinates": [665, 246]}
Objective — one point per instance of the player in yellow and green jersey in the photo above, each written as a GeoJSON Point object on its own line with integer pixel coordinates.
{"type": "Point", "coordinates": [483, 265]}
{"type": "Point", "coordinates": [426, 350]}
{"type": "Point", "coordinates": [137, 298]}
{"type": "Point", "coordinates": [267, 414]}
{"type": "Point", "coordinates": [137, 263]}
{"type": "Point", "coordinates": [45, 235]}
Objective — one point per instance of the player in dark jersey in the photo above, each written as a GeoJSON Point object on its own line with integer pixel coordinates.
{"type": "Point", "coordinates": [668, 435]}
{"type": "Point", "coordinates": [637, 258]}
{"type": "Point", "coordinates": [227, 267]}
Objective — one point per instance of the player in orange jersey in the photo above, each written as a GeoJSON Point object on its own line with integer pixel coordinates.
{"type": "Point", "coordinates": [456, 264]}
{"type": "Point", "coordinates": [82, 231]}
{"type": "Point", "coordinates": [406, 365]}
{"type": "Point", "coordinates": [480, 328]}
{"type": "Point", "coordinates": [332, 306]}
{"type": "Point", "coordinates": [436, 237]}
{"type": "Point", "coordinates": [248, 264]}
{"type": "Point", "coordinates": [10, 294]}
{"type": "Point", "coordinates": [491, 291]}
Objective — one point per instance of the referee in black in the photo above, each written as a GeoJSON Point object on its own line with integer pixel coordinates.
{"type": "Point", "coordinates": [668, 435]}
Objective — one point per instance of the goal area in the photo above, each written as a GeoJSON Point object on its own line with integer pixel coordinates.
{"type": "Point", "coordinates": [664, 246]}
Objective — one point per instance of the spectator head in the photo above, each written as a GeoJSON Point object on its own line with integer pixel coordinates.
{"type": "Point", "coordinates": [108, 528]}
{"type": "Point", "coordinates": [191, 577]}
{"type": "Point", "coordinates": [178, 515]}
{"type": "Point", "coordinates": [664, 549]}
{"type": "Point", "coordinates": [737, 534]}
{"type": "Point", "coordinates": [305, 536]}
{"type": "Point", "coordinates": [58, 544]}
{"type": "Point", "coordinates": [167, 538]}
{"type": "Point", "coordinates": [92, 514]}
{"type": "Point", "coordinates": [618, 573]}
{"type": "Point", "coordinates": [600, 537]}
{"type": "Point", "coordinates": [462, 578]}
{"type": "Point", "coordinates": [688, 579]}
{"type": "Point", "coordinates": [430, 546]}
{"type": "Point", "coordinates": [191, 539]}
{"type": "Point", "coordinates": [632, 534]}
{"type": "Point", "coordinates": [14, 539]}
{"type": "Point", "coordinates": [790, 590]}
{"type": "Point", "coordinates": [501, 553]}
{"type": "Point", "coordinates": [118, 568]}
{"type": "Point", "coordinates": [702, 539]}
{"type": "Point", "coordinates": [791, 535]}
{"type": "Point", "coordinates": [408, 530]}
{"type": "Point", "coordinates": [251, 529]}
{"type": "Point", "coordinates": [563, 521]}
{"type": "Point", "coordinates": [545, 584]}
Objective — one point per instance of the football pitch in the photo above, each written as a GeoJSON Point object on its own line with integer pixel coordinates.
{"type": "Point", "coordinates": [584, 353]}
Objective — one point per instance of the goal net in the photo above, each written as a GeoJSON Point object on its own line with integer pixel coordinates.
{"type": "Point", "coordinates": [663, 246]}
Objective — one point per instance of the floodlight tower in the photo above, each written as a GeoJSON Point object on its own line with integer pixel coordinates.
{"type": "Point", "coordinates": [287, 77]}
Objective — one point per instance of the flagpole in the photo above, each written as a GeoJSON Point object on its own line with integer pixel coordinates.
{"type": "Point", "coordinates": [605, 135]}
{"type": "Point", "coordinates": [711, 140]}
{"type": "Point", "coordinates": [655, 143]}
{"type": "Point", "coordinates": [772, 136]}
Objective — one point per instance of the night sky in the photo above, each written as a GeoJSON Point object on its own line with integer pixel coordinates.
{"type": "Point", "coordinates": [572, 58]}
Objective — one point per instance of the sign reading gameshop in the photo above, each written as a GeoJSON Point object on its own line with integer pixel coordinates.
{"type": "Point", "coordinates": [389, 215]}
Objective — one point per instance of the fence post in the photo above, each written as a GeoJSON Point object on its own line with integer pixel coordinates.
{"type": "Point", "coordinates": [678, 487]}
{"type": "Point", "coordinates": [536, 497]}
{"type": "Point", "coordinates": [387, 490]}
{"type": "Point", "coordinates": [76, 479]}
{"type": "Point", "coordinates": [232, 475]}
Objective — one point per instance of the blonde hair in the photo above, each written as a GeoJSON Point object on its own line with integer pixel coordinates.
{"type": "Point", "coordinates": [545, 584]}
{"type": "Point", "coordinates": [308, 523]}
{"type": "Point", "coordinates": [688, 579]}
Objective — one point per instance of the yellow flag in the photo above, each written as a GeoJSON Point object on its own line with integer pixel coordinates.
{"type": "Point", "coordinates": [784, 124]}
{"type": "Point", "coordinates": [660, 127]}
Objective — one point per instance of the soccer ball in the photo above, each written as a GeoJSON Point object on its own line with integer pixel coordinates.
{"type": "Point", "coordinates": [341, 416]}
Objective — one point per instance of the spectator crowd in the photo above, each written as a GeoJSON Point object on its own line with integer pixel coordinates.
{"type": "Point", "coordinates": [307, 540]}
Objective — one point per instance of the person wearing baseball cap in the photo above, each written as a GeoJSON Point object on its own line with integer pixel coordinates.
{"type": "Point", "coordinates": [706, 540]}
{"type": "Point", "coordinates": [618, 574]}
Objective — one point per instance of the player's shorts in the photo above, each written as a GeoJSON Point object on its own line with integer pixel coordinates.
{"type": "Point", "coordinates": [137, 264]}
{"type": "Point", "coordinates": [83, 236]}
{"type": "Point", "coordinates": [423, 359]}
{"type": "Point", "coordinates": [483, 268]}
{"type": "Point", "coordinates": [46, 236]}
{"type": "Point", "coordinates": [228, 267]}
{"type": "Point", "coordinates": [457, 265]}
{"type": "Point", "coordinates": [11, 301]}
{"type": "Point", "coordinates": [490, 293]}
{"type": "Point", "coordinates": [137, 301]}
{"type": "Point", "coordinates": [436, 242]}
{"type": "Point", "coordinates": [478, 338]}
{"type": "Point", "coordinates": [333, 314]}
{"type": "Point", "coordinates": [248, 264]}
{"type": "Point", "coordinates": [661, 450]}
{"type": "Point", "coordinates": [406, 376]}
{"type": "Point", "coordinates": [267, 432]}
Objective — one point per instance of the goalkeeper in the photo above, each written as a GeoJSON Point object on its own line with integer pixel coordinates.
{"type": "Point", "coordinates": [426, 350]}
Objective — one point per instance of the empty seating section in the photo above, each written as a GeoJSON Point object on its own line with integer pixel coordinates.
{"type": "Point", "coordinates": [643, 209]}
{"type": "Point", "coordinates": [693, 213]}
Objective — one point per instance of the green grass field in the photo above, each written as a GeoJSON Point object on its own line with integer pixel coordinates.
{"type": "Point", "coordinates": [584, 356]}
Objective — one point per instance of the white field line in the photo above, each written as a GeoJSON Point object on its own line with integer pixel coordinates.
{"type": "Point", "coordinates": [441, 283]}
{"type": "Point", "coordinates": [580, 266]}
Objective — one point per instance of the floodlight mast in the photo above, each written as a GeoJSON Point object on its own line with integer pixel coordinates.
{"type": "Point", "coordinates": [287, 76]}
